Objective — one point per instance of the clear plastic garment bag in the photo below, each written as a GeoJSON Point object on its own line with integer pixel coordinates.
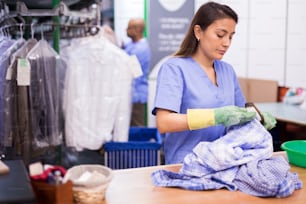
{"type": "Point", "coordinates": [17, 123]}
{"type": "Point", "coordinates": [97, 93]}
{"type": "Point", "coordinates": [30, 99]}
{"type": "Point", "coordinates": [7, 47]}
{"type": "Point", "coordinates": [44, 94]}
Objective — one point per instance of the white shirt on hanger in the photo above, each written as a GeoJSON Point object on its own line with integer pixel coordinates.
{"type": "Point", "coordinates": [97, 93]}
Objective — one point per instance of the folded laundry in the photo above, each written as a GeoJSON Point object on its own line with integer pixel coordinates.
{"type": "Point", "coordinates": [237, 161]}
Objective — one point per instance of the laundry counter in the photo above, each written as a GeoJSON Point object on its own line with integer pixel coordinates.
{"type": "Point", "coordinates": [135, 186]}
{"type": "Point", "coordinates": [285, 112]}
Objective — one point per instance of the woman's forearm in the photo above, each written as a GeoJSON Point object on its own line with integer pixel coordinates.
{"type": "Point", "coordinates": [168, 121]}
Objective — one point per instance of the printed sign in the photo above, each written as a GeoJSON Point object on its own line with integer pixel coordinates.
{"type": "Point", "coordinates": [168, 24]}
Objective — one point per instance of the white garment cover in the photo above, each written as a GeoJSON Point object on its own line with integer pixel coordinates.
{"type": "Point", "coordinates": [97, 93]}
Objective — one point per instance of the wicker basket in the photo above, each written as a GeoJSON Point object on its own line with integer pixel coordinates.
{"type": "Point", "coordinates": [93, 191]}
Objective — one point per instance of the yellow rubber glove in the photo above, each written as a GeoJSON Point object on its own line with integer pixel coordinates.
{"type": "Point", "coordinates": [227, 116]}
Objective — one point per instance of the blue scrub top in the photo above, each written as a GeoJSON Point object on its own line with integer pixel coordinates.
{"type": "Point", "coordinates": [182, 84]}
{"type": "Point", "coordinates": [140, 85]}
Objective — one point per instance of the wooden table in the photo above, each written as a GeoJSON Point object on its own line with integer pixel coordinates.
{"type": "Point", "coordinates": [135, 186]}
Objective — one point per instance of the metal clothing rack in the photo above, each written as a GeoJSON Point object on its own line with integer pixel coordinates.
{"type": "Point", "coordinates": [47, 30]}
{"type": "Point", "coordinates": [58, 9]}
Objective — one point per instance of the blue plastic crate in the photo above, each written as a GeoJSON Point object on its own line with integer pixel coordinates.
{"type": "Point", "coordinates": [142, 149]}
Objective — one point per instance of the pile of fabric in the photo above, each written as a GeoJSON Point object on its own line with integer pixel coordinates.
{"type": "Point", "coordinates": [241, 160]}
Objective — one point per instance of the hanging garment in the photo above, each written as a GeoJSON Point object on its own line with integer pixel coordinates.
{"type": "Point", "coordinates": [97, 94]}
{"type": "Point", "coordinates": [8, 119]}
{"type": "Point", "coordinates": [5, 44]}
{"type": "Point", "coordinates": [228, 161]}
{"type": "Point", "coordinates": [17, 107]}
{"type": "Point", "coordinates": [44, 95]}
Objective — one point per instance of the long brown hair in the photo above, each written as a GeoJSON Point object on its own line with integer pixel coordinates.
{"type": "Point", "coordinates": [205, 16]}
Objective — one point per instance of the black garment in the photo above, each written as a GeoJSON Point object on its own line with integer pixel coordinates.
{"type": "Point", "coordinates": [18, 124]}
{"type": "Point", "coordinates": [138, 114]}
{"type": "Point", "coordinates": [32, 110]}
{"type": "Point", "coordinates": [44, 95]}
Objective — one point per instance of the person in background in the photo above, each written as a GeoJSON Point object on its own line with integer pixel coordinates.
{"type": "Point", "coordinates": [198, 95]}
{"type": "Point", "coordinates": [139, 46]}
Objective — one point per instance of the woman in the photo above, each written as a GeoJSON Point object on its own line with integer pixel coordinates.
{"type": "Point", "coordinates": [197, 95]}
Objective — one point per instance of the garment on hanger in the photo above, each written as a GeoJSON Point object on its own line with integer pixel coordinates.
{"type": "Point", "coordinates": [5, 44]}
{"type": "Point", "coordinates": [17, 116]}
{"type": "Point", "coordinates": [44, 95]}
{"type": "Point", "coordinates": [97, 94]}
{"type": "Point", "coordinates": [30, 99]}
{"type": "Point", "coordinates": [6, 135]}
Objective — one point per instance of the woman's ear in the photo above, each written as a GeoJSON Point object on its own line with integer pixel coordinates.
{"type": "Point", "coordinates": [197, 31]}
